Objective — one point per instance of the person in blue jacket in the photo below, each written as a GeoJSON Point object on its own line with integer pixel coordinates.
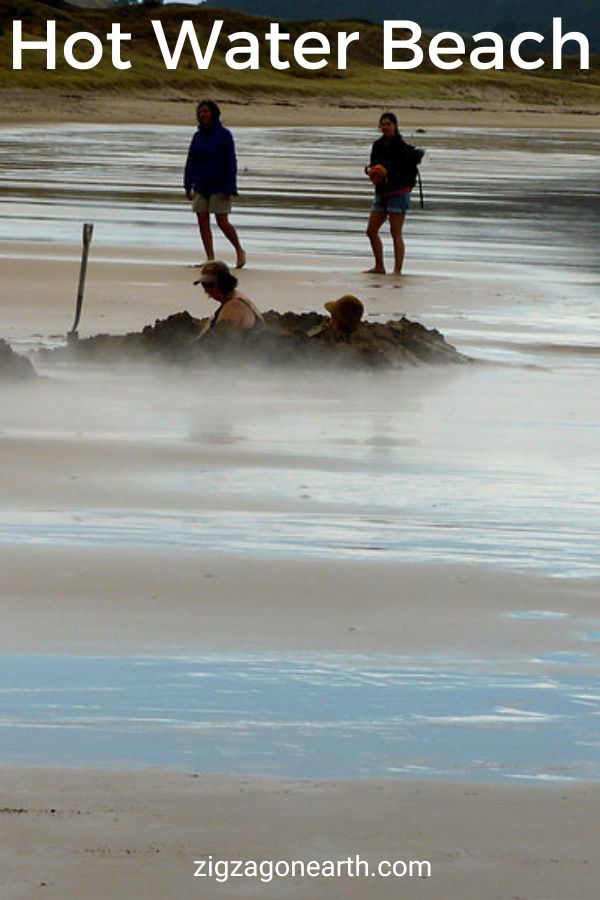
{"type": "Point", "coordinates": [210, 178]}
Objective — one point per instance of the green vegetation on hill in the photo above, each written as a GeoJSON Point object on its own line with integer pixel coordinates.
{"type": "Point", "coordinates": [365, 77]}
{"type": "Point", "coordinates": [508, 17]}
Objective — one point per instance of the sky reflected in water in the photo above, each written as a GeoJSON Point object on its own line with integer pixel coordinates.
{"type": "Point", "coordinates": [316, 717]}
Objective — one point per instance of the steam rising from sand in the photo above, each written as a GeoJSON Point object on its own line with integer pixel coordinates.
{"type": "Point", "coordinates": [449, 465]}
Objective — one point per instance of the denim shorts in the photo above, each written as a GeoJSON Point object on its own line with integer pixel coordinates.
{"type": "Point", "coordinates": [398, 203]}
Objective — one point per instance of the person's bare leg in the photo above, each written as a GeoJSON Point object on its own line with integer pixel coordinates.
{"type": "Point", "coordinates": [396, 225]}
{"type": "Point", "coordinates": [206, 234]}
{"type": "Point", "coordinates": [232, 236]}
{"type": "Point", "coordinates": [376, 220]}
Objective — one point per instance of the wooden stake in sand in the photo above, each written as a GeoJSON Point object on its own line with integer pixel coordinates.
{"type": "Point", "coordinates": [88, 231]}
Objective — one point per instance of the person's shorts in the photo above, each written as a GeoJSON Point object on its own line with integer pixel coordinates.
{"type": "Point", "coordinates": [398, 203]}
{"type": "Point", "coordinates": [216, 203]}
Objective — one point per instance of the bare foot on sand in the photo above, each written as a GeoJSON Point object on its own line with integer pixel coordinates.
{"type": "Point", "coordinates": [241, 260]}
{"type": "Point", "coordinates": [374, 271]}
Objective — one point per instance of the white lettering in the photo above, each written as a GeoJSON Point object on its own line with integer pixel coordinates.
{"type": "Point", "coordinates": [187, 32]}
{"type": "Point", "coordinates": [49, 45]}
{"type": "Point", "coordinates": [385, 868]}
{"type": "Point", "coordinates": [282, 868]}
{"type": "Point", "coordinates": [250, 53]}
{"type": "Point", "coordinates": [311, 50]}
{"type": "Point", "coordinates": [221, 871]}
{"type": "Point", "coordinates": [275, 37]}
{"type": "Point", "coordinates": [116, 37]}
{"type": "Point", "coordinates": [344, 41]}
{"type": "Point", "coordinates": [390, 44]}
{"type": "Point", "coordinates": [435, 50]}
{"type": "Point", "coordinates": [400, 868]}
{"type": "Point", "coordinates": [201, 864]}
{"type": "Point", "coordinates": [496, 51]}
{"type": "Point", "coordinates": [515, 50]}
{"type": "Point", "coordinates": [422, 866]}
{"type": "Point", "coordinates": [559, 40]}
{"type": "Point", "coordinates": [301, 51]}
{"type": "Point", "coordinates": [97, 50]}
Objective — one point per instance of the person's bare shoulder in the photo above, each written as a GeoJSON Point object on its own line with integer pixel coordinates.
{"type": "Point", "coordinates": [236, 314]}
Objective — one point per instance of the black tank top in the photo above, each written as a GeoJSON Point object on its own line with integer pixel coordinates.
{"type": "Point", "coordinates": [258, 321]}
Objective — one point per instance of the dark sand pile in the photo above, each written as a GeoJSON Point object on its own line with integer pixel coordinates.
{"type": "Point", "coordinates": [12, 366]}
{"type": "Point", "coordinates": [288, 340]}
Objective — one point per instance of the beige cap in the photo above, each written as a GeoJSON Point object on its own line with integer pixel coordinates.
{"type": "Point", "coordinates": [211, 269]}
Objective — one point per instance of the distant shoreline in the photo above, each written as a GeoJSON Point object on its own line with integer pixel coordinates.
{"type": "Point", "coordinates": [35, 107]}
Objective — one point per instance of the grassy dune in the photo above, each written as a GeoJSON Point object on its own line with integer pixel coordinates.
{"type": "Point", "coordinates": [364, 78]}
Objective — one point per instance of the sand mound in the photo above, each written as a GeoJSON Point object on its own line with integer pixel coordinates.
{"type": "Point", "coordinates": [288, 340]}
{"type": "Point", "coordinates": [12, 366]}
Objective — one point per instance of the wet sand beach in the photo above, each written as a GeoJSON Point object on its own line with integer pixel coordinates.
{"type": "Point", "coordinates": [138, 834]}
{"type": "Point", "coordinates": [263, 615]}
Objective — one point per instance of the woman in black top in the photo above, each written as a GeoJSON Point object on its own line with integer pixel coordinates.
{"type": "Point", "coordinates": [393, 171]}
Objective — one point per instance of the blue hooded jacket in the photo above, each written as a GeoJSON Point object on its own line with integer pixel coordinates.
{"type": "Point", "coordinates": [211, 166]}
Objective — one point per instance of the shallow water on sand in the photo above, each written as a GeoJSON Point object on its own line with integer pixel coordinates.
{"type": "Point", "coordinates": [313, 717]}
{"type": "Point", "coordinates": [508, 197]}
{"type": "Point", "coordinates": [523, 205]}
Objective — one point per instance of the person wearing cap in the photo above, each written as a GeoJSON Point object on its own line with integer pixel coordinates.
{"type": "Point", "coordinates": [346, 314]}
{"type": "Point", "coordinates": [210, 178]}
{"type": "Point", "coordinates": [235, 310]}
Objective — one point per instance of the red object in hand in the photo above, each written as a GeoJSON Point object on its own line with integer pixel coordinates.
{"type": "Point", "coordinates": [377, 174]}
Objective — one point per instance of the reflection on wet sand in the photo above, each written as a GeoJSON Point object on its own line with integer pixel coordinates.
{"type": "Point", "coordinates": [492, 195]}
{"type": "Point", "coordinates": [317, 717]}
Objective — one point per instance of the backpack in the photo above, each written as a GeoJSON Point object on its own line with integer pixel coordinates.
{"type": "Point", "coordinates": [419, 154]}
{"type": "Point", "coordinates": [414, 157]}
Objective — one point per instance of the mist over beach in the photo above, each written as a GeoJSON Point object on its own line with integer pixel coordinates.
{"type": "Point", "coordinates": [273, 612]}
